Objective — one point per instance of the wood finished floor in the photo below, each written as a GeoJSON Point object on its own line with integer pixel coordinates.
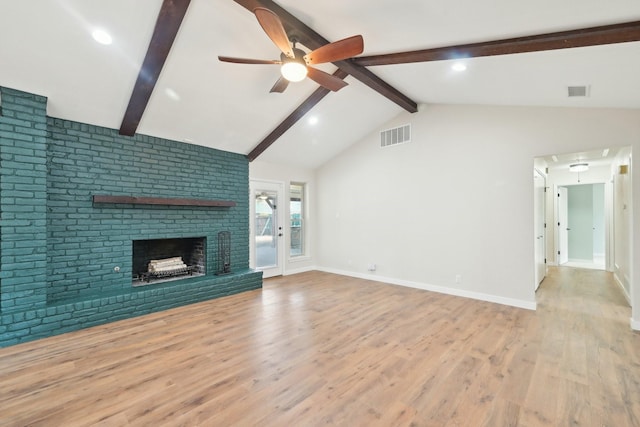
{"type": "Point", "coordinates": [320, 349]}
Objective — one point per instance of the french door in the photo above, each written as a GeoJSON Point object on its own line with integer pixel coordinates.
{"type": "Point", "coordinates": [267, 227]}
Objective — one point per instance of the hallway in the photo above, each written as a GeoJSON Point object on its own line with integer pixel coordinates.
{"type": "Point", "coordinates": [587, 348]}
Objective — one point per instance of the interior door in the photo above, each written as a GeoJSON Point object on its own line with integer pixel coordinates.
{"type": "Point", "coordinates": [539, 184]}
{"type": "Point", "coordinates": [563, 225]}
{"type": "Point", "coordinates": [267, 227]}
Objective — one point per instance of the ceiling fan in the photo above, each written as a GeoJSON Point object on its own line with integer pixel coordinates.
{"type": "Point", "coordinates": [295, 63]}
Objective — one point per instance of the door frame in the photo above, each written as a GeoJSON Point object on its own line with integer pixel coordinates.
{"type": "Point", "coordinates": [608, 221]}
{"type": "Point", "coordinates": [540, 225]}
{"type": "Point", "coordinates": [562, 236]}
{"type": "Point", "coordinates": [281, 207]}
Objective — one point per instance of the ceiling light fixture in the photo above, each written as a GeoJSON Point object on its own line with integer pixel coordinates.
{"type": "Point", "coordinates": [313, 120]}
{"type": "Point", "coordinates": [579, 167]}
{"type": "Point", "coordinates": [294, 69]}
{"type": "Point", "coordinates": [102, 37]}
{"type": "Point", "coordinates": [458, 66]}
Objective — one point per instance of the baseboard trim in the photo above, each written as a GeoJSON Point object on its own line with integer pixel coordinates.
{"type": "Point", "coordinates": [635, 324]}
{"type": "Point", "coordinates": [299, 270]}
{"type": "Point", "coordinates": [622, 288]}
{"type": "Point", "coordinates": [433, 288]}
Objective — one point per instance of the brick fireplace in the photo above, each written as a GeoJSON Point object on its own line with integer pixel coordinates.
{"type": "Point", "coordinates": [66, 261]}
{"type": "Point", "coordinates": [190, 251]}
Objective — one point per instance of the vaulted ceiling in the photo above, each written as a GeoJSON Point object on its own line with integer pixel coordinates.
{"type": "Point", "coordinates": [46, 48]}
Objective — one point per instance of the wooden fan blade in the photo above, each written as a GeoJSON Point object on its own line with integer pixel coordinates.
{"type": "Point", "coordinates": [326, 80]}
{"type": "Point", "coordinates": [280, 85]}
{"type": "Point", "coordinates": [336, 51]}
{"type": "Point", "coordinates": [272, 25]}
{"type": "Point", "coordinates": [247, 60]}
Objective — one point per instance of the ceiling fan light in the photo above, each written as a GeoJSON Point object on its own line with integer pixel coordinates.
{"type": "Point", "coordinates": [293, 71]}
{"type": "Point", "coordinates": [579, 167]}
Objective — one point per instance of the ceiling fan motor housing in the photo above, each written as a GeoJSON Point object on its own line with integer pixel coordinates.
{"type": "Point", "coordinates": [299, 56]}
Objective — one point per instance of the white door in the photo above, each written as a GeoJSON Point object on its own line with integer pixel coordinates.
{"type": "Point", "coordinates": [539, 184]}
{"type": "Point", "coordinates": [267, 227]}
{"type": "Point", "coordinates": [563, 226]}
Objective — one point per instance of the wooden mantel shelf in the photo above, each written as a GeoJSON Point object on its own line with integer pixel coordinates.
{"type": "Point", "coordinates": [162, 201]}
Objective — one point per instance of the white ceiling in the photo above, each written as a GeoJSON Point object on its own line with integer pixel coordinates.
{"type": "Point", "coordinates": [46, 48]}
{"type": "Point", "coordinates": [593, 158]}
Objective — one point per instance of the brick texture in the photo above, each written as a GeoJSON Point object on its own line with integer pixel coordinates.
{"type": "Point", "coordinates": [23, 175]}
{"type": "Point", "coordinates": [59, 250]}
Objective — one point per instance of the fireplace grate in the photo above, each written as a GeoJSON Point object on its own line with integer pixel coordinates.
{"type": "Point", "coordinates": [154, 275]}
{"type": "Point", "coordinates": [162, 260]}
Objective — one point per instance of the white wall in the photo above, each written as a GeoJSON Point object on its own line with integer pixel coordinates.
{"type": "Point", "coordinates": [599, 223]}
{"type": "Point", "coordinates": [286, 174]}
{"type": "Point", "coordinates": [457, 201]}
{"type": "Point", "coordinates": [622, 226]}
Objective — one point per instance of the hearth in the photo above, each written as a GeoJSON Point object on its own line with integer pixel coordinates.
{"type": "Point", "coordinates": [162, 260]}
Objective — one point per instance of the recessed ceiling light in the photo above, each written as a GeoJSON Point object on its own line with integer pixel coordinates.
{"type": "Point", "coordinates": [605, 152]}
{"type": "Point", "coordinates": [313, 120]}
{"type": "Point", "coordinates": [554, 158]}
{"type": "Point", "coordinates": [101, 36]}
{"type": "Point", "coordinates": [459, 66]}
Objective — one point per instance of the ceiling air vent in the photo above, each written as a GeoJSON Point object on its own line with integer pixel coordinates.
{"type": "Point", "coordinates": [577, 91]}
{"type": "Point", "coordinates": [395, 136]}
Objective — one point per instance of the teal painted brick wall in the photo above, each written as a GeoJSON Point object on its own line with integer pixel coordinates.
{"type": "Point", "coordinates": [86, 241]}
{"type": "Point", "coordinates": [22, 200]}
{"type": "Point", "coordinates": [59, 250]}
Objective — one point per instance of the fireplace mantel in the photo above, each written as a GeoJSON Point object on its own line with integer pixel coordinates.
{"type": "Point", "coordinates": [162, 201]}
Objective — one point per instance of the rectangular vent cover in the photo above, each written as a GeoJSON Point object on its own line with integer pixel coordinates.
{"type": "Point", "coordinates": [395, 136]}
{"type": "Point", "coordinates": [578, 91]}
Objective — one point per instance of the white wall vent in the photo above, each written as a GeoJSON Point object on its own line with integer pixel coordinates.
{"type": "Point", "coordinates": [577, 91]}
{"type": "Point", "coordinates": [395, 136]}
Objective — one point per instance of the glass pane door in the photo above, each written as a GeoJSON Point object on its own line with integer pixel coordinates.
{"type": "Point", "coordinates": [267, 220]}
{"type": "Point", "coordinates": [266, 229]}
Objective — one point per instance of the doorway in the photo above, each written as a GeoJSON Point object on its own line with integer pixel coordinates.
{"type": "Point", "coordinates": [582, 226]}
{"type": "Point", "coordinates": [267, 227]}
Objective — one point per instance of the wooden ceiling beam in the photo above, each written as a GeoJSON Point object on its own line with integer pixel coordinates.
{"type": "Point", "coordinates": [293, 118]}
{"type": "Point", "coordinates": [167, 25]}
{"type": "Point", "coordinates": [312, 40]}
{"type": "Point", "coordinates": [594, 36]}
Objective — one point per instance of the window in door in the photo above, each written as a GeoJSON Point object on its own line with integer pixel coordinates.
{"type": "Point", "coordinates": [296, 219]}
{"type": "Point", "coordinates": [266, 229]}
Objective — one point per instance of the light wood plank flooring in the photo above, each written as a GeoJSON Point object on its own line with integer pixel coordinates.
{"type": "Point", "coordinates": [320, 349]}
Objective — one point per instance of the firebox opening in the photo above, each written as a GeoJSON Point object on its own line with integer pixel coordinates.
{"type": "Point", "coordinates": [162, 260]}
